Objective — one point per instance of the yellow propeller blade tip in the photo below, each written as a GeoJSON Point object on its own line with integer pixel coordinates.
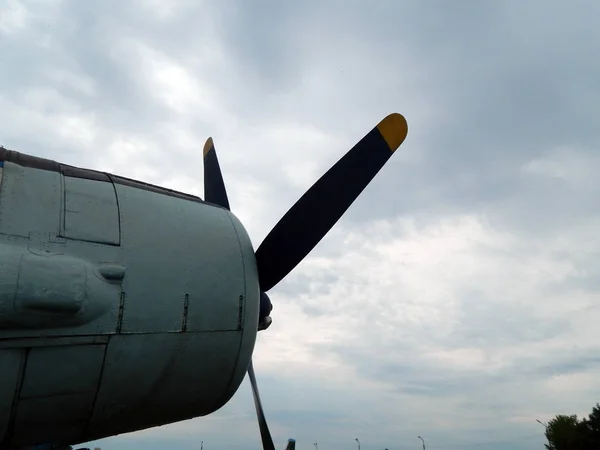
{"type": "Point", "coordinates": [394, 130]}
{"type": "Point", "coordinates": [207, 146]}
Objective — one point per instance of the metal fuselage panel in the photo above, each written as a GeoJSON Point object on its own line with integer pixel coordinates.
{"type": "Point", "coordinates": [122, 305]}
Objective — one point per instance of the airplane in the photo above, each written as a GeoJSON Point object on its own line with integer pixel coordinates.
{"type": "Point", "coordinates": [126, 306]}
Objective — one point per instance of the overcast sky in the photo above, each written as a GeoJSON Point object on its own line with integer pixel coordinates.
{"type": "Point", "coordinates": [458, 297]}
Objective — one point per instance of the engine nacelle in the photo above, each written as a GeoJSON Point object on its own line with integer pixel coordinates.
{"type": "Point", "coordinates": [122, 305]}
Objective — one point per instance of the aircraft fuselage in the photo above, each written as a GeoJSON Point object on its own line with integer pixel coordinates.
{"type": "Point", "coordinates": [122, 305]}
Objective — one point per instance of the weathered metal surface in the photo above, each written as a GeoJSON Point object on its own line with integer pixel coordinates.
{"type": "Point", "coordinates": [118, 311]}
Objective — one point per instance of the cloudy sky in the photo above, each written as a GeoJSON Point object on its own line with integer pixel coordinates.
{"type": "Point", "coordinates": [458, 297]}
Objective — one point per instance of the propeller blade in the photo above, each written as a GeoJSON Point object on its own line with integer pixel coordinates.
{"type": "Point", "coordinates": [265, 435]}
{"type": "Point", "coordinates": [317, 211]}
{"type": "Point", "coordinates": [214, 186]}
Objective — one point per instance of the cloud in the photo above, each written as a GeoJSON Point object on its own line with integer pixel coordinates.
{"type": "Point", "coordinates": [457, 299]}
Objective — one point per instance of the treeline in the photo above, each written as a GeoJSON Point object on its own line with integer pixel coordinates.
{"type": "Point", "coordinates": [570, 433]}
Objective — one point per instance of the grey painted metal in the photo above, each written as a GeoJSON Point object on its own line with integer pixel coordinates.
{"type": "Point", "coordinates": [120, 308]}
{"type": "Point", "coordinates": [30, 203]}
{"type": "Point", "coordinates": [12, 362]}
{"type": "Point", "coordinates": [91, 211]}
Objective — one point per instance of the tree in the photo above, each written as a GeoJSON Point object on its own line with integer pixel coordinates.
{"type": "Point", "coordinates": [562, 433]}
{"type": "Point", "coordinates": [569, 433]}
{"type": "Point", "coordinates": [591, 428]}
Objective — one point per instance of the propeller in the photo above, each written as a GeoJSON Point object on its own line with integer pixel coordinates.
{"type": "Point", "coordinates": [265, 434]}
{"type": "Point", "coordinates": [311, 217]}
{"type": "Point", "coordinates": [214, 186]}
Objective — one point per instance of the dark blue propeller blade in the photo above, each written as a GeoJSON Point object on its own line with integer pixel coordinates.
{"type": "Point", "coordinates": [265, 434]}
{"type": "Point", "coordinates": [214, 186]}
{"type": "Point", "coordinates": [309, 220]}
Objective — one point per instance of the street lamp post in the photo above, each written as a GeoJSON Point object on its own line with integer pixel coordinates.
{"type": "Point", "coordinates": [356, 439]}
{"type": "Point", "coordinates": [423, 441]}
{"type": "Point", "coordinates": [201, 445]}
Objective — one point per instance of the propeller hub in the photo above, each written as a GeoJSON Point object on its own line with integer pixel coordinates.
{"type": "Point", "coordinates": [264, 318]}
